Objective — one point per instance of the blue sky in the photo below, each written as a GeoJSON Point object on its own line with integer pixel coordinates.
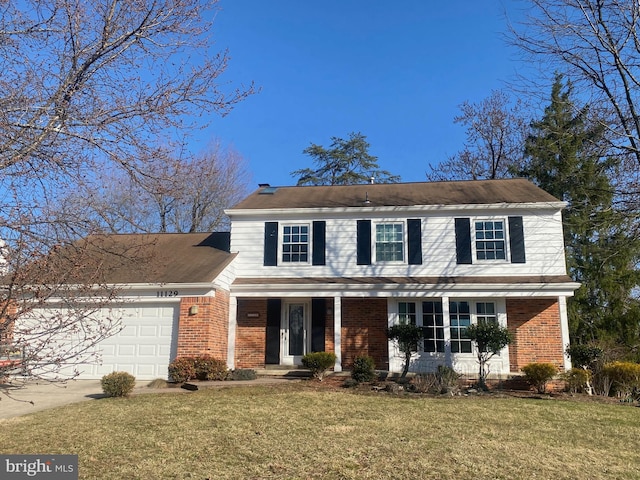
{"type": "Point", "coordinates": [394, 71]}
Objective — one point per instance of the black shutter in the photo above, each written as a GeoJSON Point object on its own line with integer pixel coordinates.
{"type": "Point", "coordinates": [270, 244]}
{"type": "Point", "coordinates": [364, 242]}
{"type": "Point", "coordinates": [318, 316]}
{"type": "Point", "coordinates": [272, 347]}
{"type": "Point", "coordinates": [516, 240]}
{"type": "Point", "coordinates": [463, 241]}
{"type": "Point", "coordinates": [319, 235]}
{"type": "Point", "coordinates": [414, 237]}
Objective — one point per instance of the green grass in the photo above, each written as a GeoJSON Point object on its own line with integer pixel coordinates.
{"type": "Point", "coordinates": [293, 432]}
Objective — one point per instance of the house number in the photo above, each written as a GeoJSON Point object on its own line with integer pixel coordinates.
{"type": "Point", "coordinates": [167, 293]}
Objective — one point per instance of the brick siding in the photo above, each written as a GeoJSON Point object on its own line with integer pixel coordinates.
{"type": "Point", "coordinates": [251, 333]}
{"type": "Point", "coordinates": [364, 331]}
{"type": "Point", "coordinates": [537, 336]}
{"type": "Point", "coordinates": [206, 332]}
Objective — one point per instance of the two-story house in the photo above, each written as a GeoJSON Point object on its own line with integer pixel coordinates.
{"type": "Point", "coordinates": [330, 268]}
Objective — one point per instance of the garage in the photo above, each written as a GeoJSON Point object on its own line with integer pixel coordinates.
{"type": "Point", "coordinates": [145, 345]}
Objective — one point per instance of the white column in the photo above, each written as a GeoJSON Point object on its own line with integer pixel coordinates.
{"type": "Point", "coordinates": [337, 332]}
{"type": "Point", "coordinates": [564, 329]}
{"type": "Point", "coordinates": [231, 338]}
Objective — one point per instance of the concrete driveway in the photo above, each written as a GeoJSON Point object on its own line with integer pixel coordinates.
{"type": "Point", "coordinates": [24, 397]}
{"type": "Point", "coordinates": [20, 397]}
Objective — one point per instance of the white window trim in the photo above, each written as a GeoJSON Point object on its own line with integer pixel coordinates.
{"type": "Point", "coordinates": [507, 253]}
{"type": "Point", "coordinates": [404, 242]}
{"type": "Point", "coordinates": [281, 262]}
{"type": "Point", "coordinates": [500, 312]}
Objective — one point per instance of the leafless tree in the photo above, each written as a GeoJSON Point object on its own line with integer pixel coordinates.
{"type": "Point", "coordinates": [87, 86]}
{"type": "Point", "coordinates": [596, 46]}
{"type": "Point", "coordinates": [167, 193]}
{"type": "Point", "coordinates": [496, 131]}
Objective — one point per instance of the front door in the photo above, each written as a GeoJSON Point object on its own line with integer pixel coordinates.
{"type": "Point", "coordinates": [295, 338]}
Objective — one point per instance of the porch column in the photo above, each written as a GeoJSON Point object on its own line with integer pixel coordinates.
{"type": "Point", "coordinates": [337, 332]}
{"type": "Point", "coordinates": [231, 340]}
{"type": "Point", "coordinates": [564, 330]}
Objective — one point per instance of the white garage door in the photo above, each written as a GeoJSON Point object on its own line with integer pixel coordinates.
{"type": "Point", "coordinates": [145, 345]}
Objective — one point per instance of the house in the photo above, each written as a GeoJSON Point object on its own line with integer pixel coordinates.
{"type": "Point", "coordinates": [330, 268]}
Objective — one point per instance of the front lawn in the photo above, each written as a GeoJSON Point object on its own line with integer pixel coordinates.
{"type": "Point", "coordinates": [294, 431]}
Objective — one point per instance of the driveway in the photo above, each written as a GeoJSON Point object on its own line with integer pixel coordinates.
{"type": "Point", "coordinates": [21, 398]}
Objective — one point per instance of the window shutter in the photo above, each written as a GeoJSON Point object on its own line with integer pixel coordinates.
{"type": "Point", "coordinates": [516, 240]}
{"type": "Point", "coordinates": [270, 244]}
{"type": "Point", "coordinates": [463, 241]}
{"type": "Point", "coordinates": [318, 315]}
{"type": "Point", "coordinates": [364, 242]}
{"type": "Point", "coordinates": [319, 235]}
{"type": "Point", "coordinates": [272, 347]}
{"type": "Point", "coordinates": [414, 238]}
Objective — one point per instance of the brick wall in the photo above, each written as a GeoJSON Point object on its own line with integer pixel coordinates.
{"type": "Point", "coordinates": [205, 332]}
{"type": "Point", "coordinates": [251, 333]}
{"type": "Point", "coordinates": [364, 331]}
{"type": "Point", "coordinates": [537, 336]}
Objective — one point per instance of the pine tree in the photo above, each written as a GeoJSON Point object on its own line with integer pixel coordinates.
{"type": "Point", "coordinates": [565, 157]}
{"type": "Point", "coordinates": [346, 162]}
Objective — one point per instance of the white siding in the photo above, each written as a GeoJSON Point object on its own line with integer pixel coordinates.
{"type": "Point", "coordinates": [542, 233]}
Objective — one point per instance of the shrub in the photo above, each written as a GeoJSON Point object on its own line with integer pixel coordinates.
{"type": "Point", "coordinates": [319, 363]}
{"type": "Point", "coordinates": [118, 384]}
{"type": "Point", "coordinates": [623, 378]}
{"type": "Point", "coordinates": [443, 380]}
{"type": "Point", "coordinates": [490, 338]}
{"type": "Point", "coordinates": [577, 380]}
{"type": "Point", "coordinates": [408, 337]}
{"type": "Point", "coordinates": [350, 383]}
{"type": "Point", "coordinates": [364, 369]}
{"type": "Point", "coordinates": [538, 374]}
{"type": "Point", "coordinates": [210, 368]}
{"type": "Point", "coordinates": [584, 356]}
{"type": "Point", "coordinates": [244, 374]}
{"type": "Point", "coordinates": [182, 369]}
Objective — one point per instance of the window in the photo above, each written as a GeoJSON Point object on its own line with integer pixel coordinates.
{"type": "Point", "coordinates": [433, 326]}
{"type": "Point", "coordinates": [407, 313]}
{"type": "Point", "coordinates": [295, 243]}
{"type": "Point", "coordinates": [459, 320]}
{"type": "Point", "coordinates": [486, 312]}
{"type": "Point", "coordinates": [490, 240]}
{"type": "Point", "coordinates": [389, 242]}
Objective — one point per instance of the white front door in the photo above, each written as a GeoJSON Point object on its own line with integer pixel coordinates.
{"type": "Point", "coordinates": [295, 337]}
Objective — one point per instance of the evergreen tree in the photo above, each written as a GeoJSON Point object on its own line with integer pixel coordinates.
{"type": "Point", "coordinates": [346, 162]}
{"type": "Point", "coordinates": [565, 157]}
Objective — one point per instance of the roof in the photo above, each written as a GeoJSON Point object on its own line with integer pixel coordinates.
{"type": "Point", "coordinates": [472, 192]}
{"type": "Point", "coordinates": [137, 258]}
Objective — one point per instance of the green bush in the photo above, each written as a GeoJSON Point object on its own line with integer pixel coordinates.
{"type": "Point", "coordinates": [623, 378]}
{"type": "Point", "coordinates": [319, 363]}
{"type": "Point", "coordinates": [364, 369]}
{"type": "Point", "coordinates": [244, 374]}
{"type": "Point", "coordinates": [539, 374]}
{"type": "Point", "coordinates": [577, 380]}
{"type": "Point", "coordinates": [210, 368]}
{"type": "Point", "coordinates": [118, 384]}
{"type": "Point", "coordinates": [182, 369]}
{"type": "Point", "coordinates": [584, 356]}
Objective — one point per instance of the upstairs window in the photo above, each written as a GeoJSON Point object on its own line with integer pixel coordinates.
{"type": "Point", "coordinates": [295, 243]}
{"type": "Point", "coordinates": [490, 240]}
{"type": "Point", "coordinates": [389, 242]}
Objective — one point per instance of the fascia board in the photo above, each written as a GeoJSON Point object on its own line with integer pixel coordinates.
{"type": "Point", "coordinates": [273, 212]}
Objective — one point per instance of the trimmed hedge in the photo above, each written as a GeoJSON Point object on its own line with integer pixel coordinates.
{"type": "Point", "coordinates": [118, 384]}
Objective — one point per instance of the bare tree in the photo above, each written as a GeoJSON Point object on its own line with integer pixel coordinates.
{"type": "Point", "coordinates": [167, 193]}
{"type": "Point", "coordinates": [496, 131]}
{"type": "Point", "coordinates": [596, 46]}
{"type": "Point", "coordinates": [86, 87]}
